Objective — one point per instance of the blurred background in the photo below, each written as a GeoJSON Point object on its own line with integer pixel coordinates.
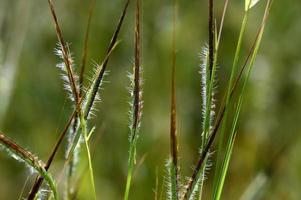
{"type": "Point", "coordinates": [34, 106]}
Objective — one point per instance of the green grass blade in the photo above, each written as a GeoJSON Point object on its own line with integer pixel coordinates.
{"type": "Point", "coordinates": [84, 130]}
{"type": "Point", "coordinates": [131, 162]}
{"type": "Point", "coordinates": [229, 148]}
{"type": "Point", "coordinates": [228, 93]}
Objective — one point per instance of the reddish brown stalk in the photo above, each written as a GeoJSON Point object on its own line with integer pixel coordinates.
{"type": "Point", "coordinates": [85, 48]}
{"type": "Point", "coordinates": [39, 180]}
{"type": "Point", "coordinates": [13, 146]}
{"type": "Point", "coordinates": [104, 66]}
{"type": "Point", "coordinates": [223, 108]}
{"type": "Point", "coordinates": [137, 79]}
{"type": "Point", "coordinates": [211, 35]}
{"type": "Point", "coordinates": [83, 62]}
{"type": "Point", "coordinates": [173, 114]}
{"type": "Point", "coordinates": [65, 53]}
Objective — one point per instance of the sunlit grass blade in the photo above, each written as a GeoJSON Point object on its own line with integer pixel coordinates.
{"type": "Point", "coordinates": [214, 131]}
{"type": "Point", "coordinates": [227, 104]}
{"type": "Point", "coordinates": [22, 155]}
{"type": "Point", "coordinates": [250, 3]}
{"type": "Point", "coordinates": [231, 140]}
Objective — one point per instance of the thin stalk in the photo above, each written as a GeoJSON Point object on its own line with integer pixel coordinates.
{"type": "Point", "coordinates": [85, 47]}
{"type": "Point", "coordinates": [210, 76]}
{"type": "Point", "coordinates": [211, 35]}
{"type": "Point", "coordinates": [83, 123]}
{"type": "Point", "coordinates": [174, 166]}
{"type": "Point", "coordinates": [209, 88]}
{"type": "Point", "coordinates": [88, 98]}
{"type": "Point", "coordinates": [216, 127]}
{"type": "Point", "coordinates": [27, 157]}
{"type": "Point", "coordinates": [156, 191]}
{"type": "Point", "coordinates": [100, 76]}
{"type": "Point", "coordinates": [65, 53]}
{"type": "Point", "coordinates": [85, 134]}
{"type": "Point", "coordinates": [136, 102]}
{"type": "Point", "coordinates": [92, 92]}
{"type": "Point", "coordinates": [230, 144]}
{"type": "Point", "coordinates": [79, 180]}
{"type": "Point", "coordinates": [23, 188]}
{"type": "Point", "coordinates": [131, 162]}
{"type": "Point", "coordinates": [222, 22]}
{"type": "Point", "coordinates": [39, 180]}
{"type": "Point", "coordinates": [230, 85]}
{"type": "Point", "coordinates": [68, 64]}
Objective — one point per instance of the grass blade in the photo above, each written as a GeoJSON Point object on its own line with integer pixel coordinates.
{"type": "Point", "coordinates": [228, 94]}
{"type": "Point", "coordinates": [216, 127]}
{"type": "Point", "coordinates": [229, 147]}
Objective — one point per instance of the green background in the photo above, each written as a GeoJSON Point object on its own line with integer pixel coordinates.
{"type": "Point", "coordinates": [38, 107]}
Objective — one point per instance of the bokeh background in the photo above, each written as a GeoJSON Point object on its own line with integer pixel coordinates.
{"type": "Point", "coordinates": [34, 106]}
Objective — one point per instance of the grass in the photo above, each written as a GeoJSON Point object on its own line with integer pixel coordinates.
{"type": "Point", "coordinates": [136, 102]}
{"type": "Point", "coordinates": [214, 126]}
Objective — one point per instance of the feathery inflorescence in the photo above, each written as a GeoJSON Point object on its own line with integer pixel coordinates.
{"type": "Point", "coordinates": [68, 85]}
{"type": "Point", "coordinates": [64, 53]}
{"type": "Point", "coordinates": [173, 163]}
{"type": "Point", "coordinates": [208, 75]}
{"type": "Point", "coordinates": [136, 102]}
{"type": "Point", "coordinates": [21, 154]}
{"type": "Point", "coordinates": [199, 166]}
{"type": "Point", "coordinates": [84, 100]}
